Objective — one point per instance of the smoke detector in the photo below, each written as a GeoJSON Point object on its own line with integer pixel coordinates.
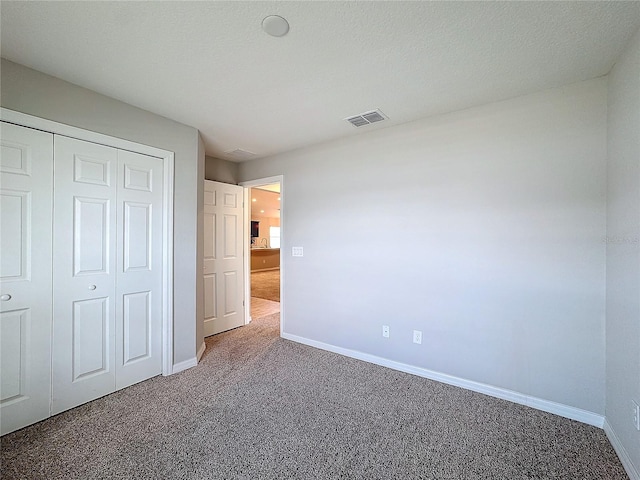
{"type": "Point", "coordinates": [275, 25]}
{"type": "Point", "coordinates": [366, 118]}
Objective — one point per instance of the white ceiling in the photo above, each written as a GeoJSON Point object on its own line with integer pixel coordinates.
{"type": "Point", "coordinates": [209, 64]}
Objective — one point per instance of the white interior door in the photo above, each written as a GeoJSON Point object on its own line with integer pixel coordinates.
{"type": "Point", "coordinates": [139, 268]}
{"type": "Point", "coordinates": [84, 272]}
{"type": "Point", "coordinates": [26, 169]}
{"type": "Point", "coordinates": [223, 257]}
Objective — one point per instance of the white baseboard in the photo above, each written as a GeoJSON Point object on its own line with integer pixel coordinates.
{"type": "Point", "coordinates": [631, 470]}
{"type": "Point", "coordinates": [201, 351]}
{"type": "Point", "coordinates": [566, 411]}
{"type": "Point", "coordinates": [185, 365]}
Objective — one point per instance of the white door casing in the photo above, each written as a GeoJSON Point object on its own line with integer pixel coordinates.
{"type": "Point", "coordinates": [84, 272]}
{"type": "Point", "coordinates": [26, 176]}
{"type": "Point", "coordinates": [223, 257]}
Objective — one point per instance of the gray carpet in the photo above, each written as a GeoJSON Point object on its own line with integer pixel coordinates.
{"type": "Point", "coordinates": [259, 407]}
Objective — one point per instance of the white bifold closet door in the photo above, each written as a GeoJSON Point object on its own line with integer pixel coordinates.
{"type": "Point", "coordinates": [107, 284]}
{"type": "Point", "coordinates": [26, 175]}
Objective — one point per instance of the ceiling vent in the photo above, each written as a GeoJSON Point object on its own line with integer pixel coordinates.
{"type": "Point", "coordinates": [366, 118]}
{"type": "Point", "coordinates": [239, 154]}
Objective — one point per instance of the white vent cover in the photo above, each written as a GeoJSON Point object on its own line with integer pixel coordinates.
{"type": "Point", "coordinates": [240, 154]}
{"type": "Point", "coordinates": [366, 118]}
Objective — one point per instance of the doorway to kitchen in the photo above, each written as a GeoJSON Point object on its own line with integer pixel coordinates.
{"type": "Point", "coordinates": [264, 239]}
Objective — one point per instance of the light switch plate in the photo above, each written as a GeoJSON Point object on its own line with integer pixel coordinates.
{"type": "Point", "coordinates": [297, 252]}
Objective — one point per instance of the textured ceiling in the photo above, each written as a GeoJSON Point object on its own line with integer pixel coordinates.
{"type": "Point", "coordinates": [209, 64]}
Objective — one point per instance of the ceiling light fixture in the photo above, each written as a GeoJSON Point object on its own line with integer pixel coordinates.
{"type": "Point", "coordinates": [275, 26]}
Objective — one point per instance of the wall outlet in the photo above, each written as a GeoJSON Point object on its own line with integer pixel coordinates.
{"type": "Point", "coordinates": [636, 414]}
{"type": "Point", "coordinates": [417, 336]}
{"type": "Point", "coordinates": [385, 331]}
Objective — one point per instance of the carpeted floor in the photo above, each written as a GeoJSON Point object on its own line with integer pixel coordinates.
{"type": "Point", "coordinates": [266, 285]}
{"type": "Point", "coordinates": [260, 407]}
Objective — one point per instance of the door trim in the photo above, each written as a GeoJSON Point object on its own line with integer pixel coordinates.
{"type": "Point", "coordinates": [30, 121]}
{"type": "Point", "coordinates": [247, 243]}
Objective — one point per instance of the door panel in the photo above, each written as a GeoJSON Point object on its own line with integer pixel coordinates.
{"type": "Point", "coordinates": [223, 260]}
{"type": "Point", "coordinates": [230, 293]}
{"type": "Point", "coordinates": [14, 224]}
{"type": "Point", "coordinates": [90, 331]}
{"type": "Point", "coordinates": [137, 326]}
{"type": "Point", "coordinates": [26, 176]}
{"type": "Point", "coordinates": [137, 236]}
{"type": "Point", "coordinates": [210, 296]}
{"type": "Point", "coordinates": [139, 268]}
{"type": "Point", "coordinates": [14, 326]}
{"type": "Point", "coordinates": [92, 170]}
{"type": "Point", "coordinates": [209, 238]}
{"type": "Point", "coordinates": [84, 272]}
{"type": "Point", "coordinates": [91, 235]}
{"type": "Point", "coordinates": [231, 243]}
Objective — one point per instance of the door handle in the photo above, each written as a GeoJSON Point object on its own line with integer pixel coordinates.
{"type": "Point", "coordinates": [5, 298]}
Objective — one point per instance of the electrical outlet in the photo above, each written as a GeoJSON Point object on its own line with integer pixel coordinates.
{"type": "Point", "coordinates": [417, 336]}
{"type": "Point", "coordinates": [636, 415]}
{"type": "Point", "coordinates": [385, 331]}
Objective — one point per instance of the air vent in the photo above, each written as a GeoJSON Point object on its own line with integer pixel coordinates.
{"type": "Point", "coordinates": [239, 154]}
{"type": "Point", "coordinates": [366, 118]}
{"type": "Point", "coordinates": [358, 121]}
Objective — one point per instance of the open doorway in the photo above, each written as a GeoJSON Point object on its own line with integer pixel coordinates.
{"type": "Point", "coordinates": [265, 239]}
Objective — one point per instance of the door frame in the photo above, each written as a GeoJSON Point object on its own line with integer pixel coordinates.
{"type": "Point", "coordinates": [30, 121]}
{"type": "Point", "coordinates": [247, 243]}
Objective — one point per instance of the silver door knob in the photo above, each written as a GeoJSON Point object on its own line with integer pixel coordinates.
{"type": "Point", "coordinates": [5, 298]}
{"type": "Point", "coordinates": [92, 287]}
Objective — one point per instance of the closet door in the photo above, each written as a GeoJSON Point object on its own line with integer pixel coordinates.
{"type": "Point", "coordinates": [139, 265]}
{"type": "Point", "coordinates": [26, 168]}
{"type": "Point", "coordinates": [84, 272]}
